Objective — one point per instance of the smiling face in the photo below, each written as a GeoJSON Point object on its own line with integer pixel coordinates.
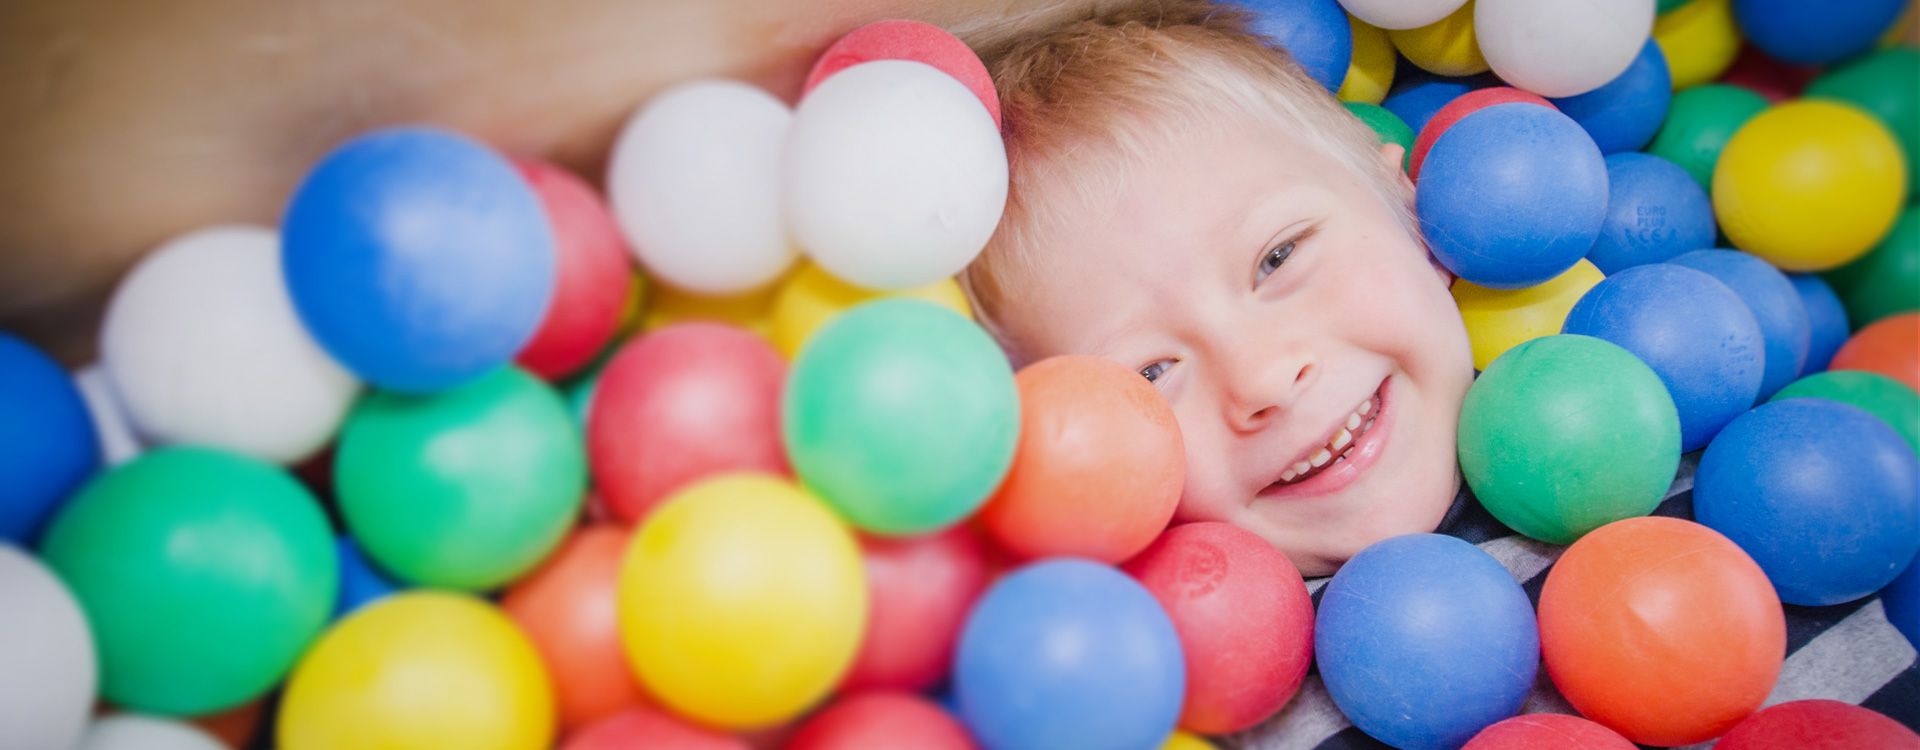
{"type": "Point", "coordinates": [1309, 347]}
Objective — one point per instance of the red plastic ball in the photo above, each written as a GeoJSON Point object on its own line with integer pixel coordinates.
{"type": "Point", "coordinates": [1463, 105]}
{"type": "Point", "coordinates": [1890, 346]}
{"type": "Point", "coordinates": [595, 274]}
{"type": "Point", "coordinates": [1547, 732]}
{"type": "Point", "coordinates": [881, 719]}
{"type": "Point", "coordinates": [1819, 725]}
{"type": "Point", "coordinates": [682, 403]}
{"type": "Point", "coordinates": [1661, 629]}
{"type": "Point", "coordinates": [1770, 78]}
{"type": "Point", "coordinates": [652, 729]}
{"type": "Point", "coordinates": [908, 40]}
{"type": "Point", "coordinates": [919, 592]}
{"type": "Point", "coordinates": [1244, 618]}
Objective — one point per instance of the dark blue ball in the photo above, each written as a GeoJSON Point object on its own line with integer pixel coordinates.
{"type": "Point", "coordinates": [360, 581]}
{"type": "Point", "coordinates": [1814, 32]}
{"type": "Point", "coordinates": [1826, 320]}
{"type": "Point", "coordinates": [418, 258]}
{"type": "Point", "coordinates": [1314, 32]}
{"type": "Point", "coordinates": [1624, 114]}
{"type": "Point", "coordinates": [1823, 495]}
{"type": "Point", "coordinates": [1902, 601]}
{"type": "Point", "coordinates": [1416, 101]}
{"type": "Point", "coordinates": [48, 445]}
{"type": "Point", "coordinates": [1512, 195]}
{"type": "Point", "coordinates": [1691, 329]}
{"type": "Point", "coordinates": [1069, 653]}
{"type": "Point", "coordinates": [1655, 211]}
{"type": "Point", "coordinates": [1775, 306]}
{"type": "Point", "coordinates": [1423, 640]}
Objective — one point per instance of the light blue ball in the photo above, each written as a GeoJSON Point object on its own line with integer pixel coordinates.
{"type": "Point", "coordinates": [1624, 114]}
{"type": "Point", "coordinates": [48, 444]}
{"type": "Point", "coordinates": [1655, 211]}
{"type": "Point", "coordinates": [1314, 32]}
{"type": "Point", "coordinates": [1775, 305]}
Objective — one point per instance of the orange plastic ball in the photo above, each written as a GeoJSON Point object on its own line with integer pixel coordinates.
{"type": "Point", "coordinates": [1662, 630]}
{"type": "Point", "coordinates": [567, 608]}
{"type": "Point", "coordinates": [1099, 466]}
{"type": "Point", "coordinates": [1891, 347]}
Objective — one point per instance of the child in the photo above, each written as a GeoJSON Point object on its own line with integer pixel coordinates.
{"type": "Point", "coordinates": [1187, 202]}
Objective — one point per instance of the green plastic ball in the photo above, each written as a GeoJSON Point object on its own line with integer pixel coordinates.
{"type": "Point", "coordinates": [1699, 122]}
{"type": "Point", "coordinates": [1887, 85]}
{"type": "Point", "coordinates": [464, 489]}
{"type": "Point", "coordinates": [204, 574]}
{"type": "Point", "coordinates": [1668, 6]}
{"type": "Point", "coordinates": [1564, 434]}
{"type": "Point", "coordinates": [1885, 281]}
{"type": "Point", "coordinates": [902, 415]}
{"type": "Point", "coordinates": [1388, 126]}
{"type": "Point", "coordinates": [1881, 396]}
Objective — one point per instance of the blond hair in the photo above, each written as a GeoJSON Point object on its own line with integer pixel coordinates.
{"type": "Point", "coordinates": [1083, 100]}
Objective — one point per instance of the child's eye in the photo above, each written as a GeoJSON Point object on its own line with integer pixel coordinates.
{"type": "Point", "coordinates": [1272, 260]}
{"type": "Point", "coordinates": [1153, 371]}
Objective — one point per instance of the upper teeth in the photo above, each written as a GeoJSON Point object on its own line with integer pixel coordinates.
{"type": "Point", "coordinates": [1342, 437]}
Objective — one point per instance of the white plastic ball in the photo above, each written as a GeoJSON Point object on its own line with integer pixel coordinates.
{"type": "Point", "coordinates": [1401, 14]}
{"type": "Point", "coordinates": [118, 443]}
{"type": "Point", "coordinates": [135, 732]}
{"type": "Point", "coordinates": [695, 185]}
{"type": "Point", "coordinates": [896, 175]}
{"type": "Point", "coordinates": [202, 345]}
{"type": "Point", "coordinates": [1559, 48]}
{"type": "Point", "coordinates": [47, 663]}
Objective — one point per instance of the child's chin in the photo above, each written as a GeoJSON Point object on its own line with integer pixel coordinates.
{"type": "Point", "coordinates": [1319, 549]}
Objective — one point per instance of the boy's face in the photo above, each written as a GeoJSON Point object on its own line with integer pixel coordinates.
{"type": "Point", "coordinates": [1290, 321]}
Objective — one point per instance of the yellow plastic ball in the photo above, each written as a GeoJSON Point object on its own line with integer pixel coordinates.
{"type": "Point", "coordinates": [811, 297]}
{"type": "Point", "coordinates": [752, 310]}
{"type": "Point", "coordinates": [1809, 185]}
{"type": "Point", "coordinates": [742, 601]}
{"type": "Point", "coordinates": [1371, 72]}
{"type": "Point", "coordinates": [1500, 319]}
{"type": "Point", "coordinates": [1446, 47]}
{"type": "Point", "coordinates": [422, 670]}
{"type": "Point", "coordinates": [1699, 40]}
{"type": "Point", "coordinates": [1182, 740]}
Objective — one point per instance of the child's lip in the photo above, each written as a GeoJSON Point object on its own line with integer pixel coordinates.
{"type": "Point", "coordinates": [1337, 476]}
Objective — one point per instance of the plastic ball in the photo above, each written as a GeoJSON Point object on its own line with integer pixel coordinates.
{"type": "Point", "coordinates": [1447, 47]}
{"type": "Point", "coordinates": [1564, 434]}
{"type": "Point", "coordinates": [1808, 32]}
{"type": "Point", "coordinates": [47, 689]}
{"type": "Point", "coordinates": [136, 732]}
{"type": "Point", "coordinates": [1655, 211]}
{"type": "Point", "coordinates": [568, 609]}
{"type": "Point", "coordinates": [742, 601]}
{"type": "Point", "coordinates": [1784, 324]}
{"type": "Point", "coordinates": [1818, 725]}
{"type": "Point", "coordinates": [1244, 619]}
{"type": "Point", "coordinates": [1877, 394]}
{"type": "Point", "coordinates": [752, 310]}
{"type": "Point", "coordinates": [1624, 114]}
{"type": "Point", "coordinates": [204, 347]}
{"type": "Point", "coordinates": [1887, 85]}
{"type": "Point", "coordinates": [919, 590]}
{"type": "Point", "coordinates": [48, 445]}
{"type": "Point", "coordinates": [465, 489]}
{"type": "Point", "coordinates": [187, 629]}
{"type": "Point", "coordinates": [1119, 685]}
{"type": "Point", "coordinates": [1775, 80]}
{"type": "Point", "coordinates": [902, 415]}
{"type": "Point", "coordinates": [679, 404]}
{"type": "Point", "coordinates": [1099, 468]}
{"type": "Point", "coordinates": [1548, 732]}
{"type": "Point", "coordinates": [1699, 40]}
{"type": "Point", "coordinates": [895, 176]}
{"type": "Point", "coordinates": [1512, 195]}
{"type": "Point", "coordinates": [653, 729]}
{"type": "Point", "coordinates": [1186, 741]}
{"type": "Point", "coordinates": [1826, 320]}
{"type": "Point", "coordinates": [1890, 347]}
{"type": "Point", "coordinates": [1315, 33]}
{"type": "Point", "coordinates": [908, 40]}
{"type": "Point", "coordinates": [1387, 126]}
{"type": "Point", "coordinates": [1886, 281]}
{"type": "Point", "coordinates": [1416, 100]}
{"type": "Point", "coordinates": [694, 181]}
{"type": "Point", "coordinates": [1661, 629]}
{"type": "Point", "coordinates": [1401, 14]}
{"type": "Point", "coordinates": [1700, 122]}
{"type": "Point", "coordinates": [1823, 495]}
{"type": "Point", "coordinates": [1467, 103]}
{"type": "Point", "coordinates": [1500, 319]}
{"type": "Point", "coordinates": [1370, 75]}
{"type": "Point", "coordinates": [1902, 601]}
{"type": "Point", "coordinates": [811, 297]}
{"type": "Point", "coordinates": [117, 442]}
{"type": "Point", "coordinates": [1424, 640]}
{"type": "Point", "coordinates": [1809, 185]}
{"type": "Point", "coordinates": [593, 276]}
{"type": "Point", "coordinates": [425, 670]}
{"type": "Point", "coordinates": [881, 719]}
{"type": "Point", "coordinates": [418, 258]}
{"type": "Point", "coordinates": [234, 727]}
{"type": "Point", "coordinates": [360, 582]}
{"type": "Point", "coordinates": [1561, 47]}
{"type": "Point", "coordinates": [1695, 333]}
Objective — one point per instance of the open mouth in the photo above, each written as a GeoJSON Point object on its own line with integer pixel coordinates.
{"type": "Point", "coordinates": [1337, 446]}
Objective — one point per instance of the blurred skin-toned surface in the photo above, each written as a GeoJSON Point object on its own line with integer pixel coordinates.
{"type": "Point", "coordinates": [123, 123]}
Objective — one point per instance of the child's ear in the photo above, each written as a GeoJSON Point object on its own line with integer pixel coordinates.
{"type": "Point", "coordinates": [1392, 156]}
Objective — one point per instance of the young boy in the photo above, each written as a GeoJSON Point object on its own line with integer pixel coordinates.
{"type": "Point", "coordinates": [1187, 202]}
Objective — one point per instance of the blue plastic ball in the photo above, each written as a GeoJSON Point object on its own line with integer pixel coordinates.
{"type": "Point", "coordinates": [1691, 329]}
{"type": "Point", "coordinates": [1315, 32]}
{"type": "Point", "coordinates": [1069, 653]}
{"type": "Point", "coordinates": [1823, 495]}
{"type": "Point", "coordinates": [1826, 319]}
{"type": "Point", "coordinates": [418, 258]}
{"type": "Point", "coordinates": [1814, 32]}
{"type": "Point", "coordinates": [360, 581]}
{"type": "Point", "coordinates": [1416, 101]}
{"type": "Point", "coordinates": [1775, 306]}
{"type": "Point", "coordinates": [48, 445]}
{"type": "Point", "coordinates": [1655, 211]}
{"type": "Point", "coordinates": [1423, 640]}
{"type": "Point", "coordinates": [1512, 195]}
{"type": "Point", "coordinates": [1902, 601]}
{"type": "Point", "coordinates": [1624, 114]}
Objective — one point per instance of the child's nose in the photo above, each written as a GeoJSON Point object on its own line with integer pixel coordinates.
{"type": "Point", "coordinates": [1264, 385]}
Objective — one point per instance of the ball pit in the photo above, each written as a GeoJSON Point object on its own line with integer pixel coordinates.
{"type": "Point", "coordinates": [907, 40]}
{"type": "Point", "coordinates": [1500, 319]}
{"type": "Point", "coordinates": [881, 719]}
{"type": "Point", "coordinates": [1784, 324]}
{"type": "Point", "coordinates": [1826, 319]}
{"type": "Point", "coordinates": [48, 445]}
{"type": "Point", "coordinates": [1315, 33]}
{"type": "Point", "coordinates": [1879, 395]}
{"type": "Point", "coordinates": [811, 297]}
{"type": "Point", "coordinates": [1466, 104]}
{"type": "Point", "coordinates": [1699, 123]}
{"type": "Point", "coordinates": [136, 732]}
{"type": "Point", "coordinates": [567, 610]}
{"type": "Point", "coordinates": [1812, 33]}
{"type": "Point", "coordinates": [1561, 48]}
{"type": "Point", "coordinates": [1654, 212]}
{"type": "Point", "coordinates": [1547, 732]}
{"type": "Point", "coordinates": [1890, 347]}
{"type": "Point", "coordinates": [1887, 85]}
{"type": "Point", "coordinates": [1370, 75]}
{"type": "Point", "coordinates": [47, 690]}
{"type": "Point", "coordinates": [1445, 47]}
{"type": "Point", "coordinates": [1699, 40]}
{"type": "Point", "coordinates": [592, 284]}
{"type": "Point", "coordinates": [1809, 185]}
{"type": "Point", "coordinates": [1624, 114]}
{"type": "Point", "coordinates": [1401, 14]}
{"type": "Point", "coordinates": [1388, 126]}
{"type": "Point", "coordinates": [919, 590]}
{"type": "Point", "coordinates": [650, 728]}
{"type": "Point", "coordinates": [1817, 725]}
{"type": "Point", "coordinates": [1886, 281]}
